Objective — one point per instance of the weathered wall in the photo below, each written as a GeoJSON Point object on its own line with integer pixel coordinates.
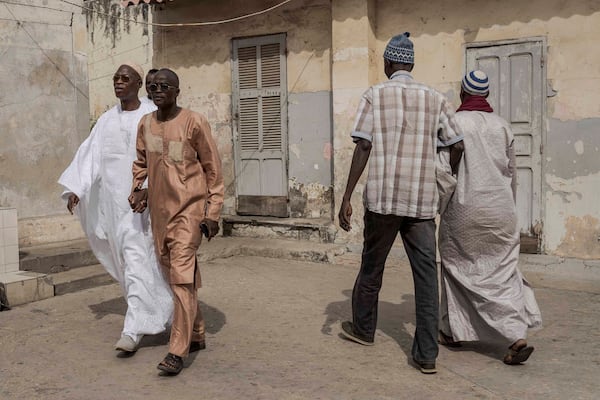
{"type": "Point", "coordinates": [115, 35]}
{"type": "Point", "coordinates": [201, 56]}
{"type": "Point", "coordinates": [43, 112]}
{"type": "Point", "coordinates": [571, 167]}
{"type": "Point", "coordinates": [353, 70]}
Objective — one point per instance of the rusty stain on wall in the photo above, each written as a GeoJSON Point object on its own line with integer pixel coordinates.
{"type": "Point", "coordinates": [581, 238]}
{"type": "Point", "coordinates": [310, 200]}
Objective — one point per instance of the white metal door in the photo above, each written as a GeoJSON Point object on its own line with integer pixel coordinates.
{"type": "Point", "coordinates": [260, 125]}
{"type": "Point", "coordinates": [516, 73]}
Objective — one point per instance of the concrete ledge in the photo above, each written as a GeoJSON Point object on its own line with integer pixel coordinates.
{"type": "Point", "coordinates": [271, 248]}
{"type": "Point", "coordinates": [561, 273]}
{"type": "Point", "coordinates": [57, 257]}
{"type": "Point", "coordinates": [23, 287]}
{"type": "Point", "coordinates": [80, 279]}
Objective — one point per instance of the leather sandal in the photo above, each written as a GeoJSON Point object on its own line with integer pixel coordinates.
{"type": "Point", "coordinates": [518, 355]}
{"type": "Point", "coordinates": [171, 364]}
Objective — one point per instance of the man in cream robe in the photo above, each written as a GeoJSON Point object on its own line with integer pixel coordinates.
{"type": "Point", "coordinates": [98, 182]}
{"type": "Point", "coordinates": [484, 295]}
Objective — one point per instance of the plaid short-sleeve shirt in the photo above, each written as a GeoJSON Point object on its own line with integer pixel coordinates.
{"type": "Point", "coordinates": [405, 121]}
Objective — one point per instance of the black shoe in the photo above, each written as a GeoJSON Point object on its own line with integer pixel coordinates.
{"type": "Point", "coordinates": [348, 332]}
{"type": "Point", "coordinates": [426, 367]}
{"type": "Point", "coordinates": [197, 346]}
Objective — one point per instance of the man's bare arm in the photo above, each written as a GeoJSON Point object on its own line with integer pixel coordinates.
{"type": "Point", "coordinates": [362, 151]}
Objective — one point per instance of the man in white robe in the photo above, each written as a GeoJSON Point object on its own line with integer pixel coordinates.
{"type": "Point", "coordinates": [98, 180]}
{"type": "Point", "coordinates": [484, 295]}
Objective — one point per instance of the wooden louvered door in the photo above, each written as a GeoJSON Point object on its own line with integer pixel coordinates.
{"type": "Point", "coordinates": [260, 125]}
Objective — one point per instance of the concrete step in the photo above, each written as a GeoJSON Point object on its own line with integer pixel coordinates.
{"type": "Point", "coordinates": [318, 230]}
{"type": "Point", "coordinates": [80, 279]}
{"type": "Point", "coordinates": [56, 257]}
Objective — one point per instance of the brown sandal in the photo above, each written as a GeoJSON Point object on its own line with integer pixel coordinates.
{"type": "Point", "coordinates": [518, 355]}
{"type": "Point", "coordinates": [171, 364]}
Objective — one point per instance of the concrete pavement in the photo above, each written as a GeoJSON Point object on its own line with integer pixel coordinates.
{"type": "Point", "coordinates": [273, 333]}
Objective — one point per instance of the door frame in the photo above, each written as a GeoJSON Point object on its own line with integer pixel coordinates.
{"type": "Point", "coordinates": [543, 115]}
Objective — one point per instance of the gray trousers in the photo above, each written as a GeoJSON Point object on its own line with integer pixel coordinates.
{"type": "Point", "coordinates": [418, 236]}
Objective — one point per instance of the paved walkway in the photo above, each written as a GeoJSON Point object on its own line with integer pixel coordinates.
{"type": "Point", "coordinates": [273, 333]}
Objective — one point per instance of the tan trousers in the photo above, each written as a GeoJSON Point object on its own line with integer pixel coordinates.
{"type": "Point", "coordinates": [188, 322]}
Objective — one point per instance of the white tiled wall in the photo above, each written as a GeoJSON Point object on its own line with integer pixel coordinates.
{"type": "Point", "coordinates": [9, 240]}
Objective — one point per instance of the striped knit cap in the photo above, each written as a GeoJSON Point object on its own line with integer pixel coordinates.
{"type": "Point", "coordinates": [400, 50]}
{"type": "Point", "coordinates": [476, 82]}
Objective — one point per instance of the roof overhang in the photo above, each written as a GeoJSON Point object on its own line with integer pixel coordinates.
{"type": "Point", "coordinates": [127, 3]}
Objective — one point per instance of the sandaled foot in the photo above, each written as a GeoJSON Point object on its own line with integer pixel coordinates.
{"type": "Point", "coordinates": [171, 364]}
{"type": "Point", "coordinates": [518, 353]}
{"type": "Point", "coordinates": [448, 341]}
{"type": "Point", "coordinates": [197, 346]}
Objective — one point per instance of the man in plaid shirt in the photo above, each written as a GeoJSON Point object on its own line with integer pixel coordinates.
{"type": "Point", "coordinates": [399, 126]}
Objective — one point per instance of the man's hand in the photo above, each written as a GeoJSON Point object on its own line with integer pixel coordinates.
{"type": "Point", "coordinates": [72, 202]}
{"type": "Point", "coordinates": [139, 200]}
{"type": "Point", "coordinates": [213, 227]}
{"type": "Point", "coordinates": [345, 215]}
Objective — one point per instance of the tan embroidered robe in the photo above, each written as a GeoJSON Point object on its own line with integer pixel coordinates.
{"type": "Point", "coordinates": [185, 185]}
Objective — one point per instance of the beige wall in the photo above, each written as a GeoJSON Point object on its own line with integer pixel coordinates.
{"type": "Point", "coordinates": [571, 166]}
{"type": "Point", "coordinates": [335, 47]}
{"type": "Point", "coordinates": [44, 112]}
{"type": "Point", "coordinates": [111, 42]}
{"type": "Point", "coordinates": [201, 56]}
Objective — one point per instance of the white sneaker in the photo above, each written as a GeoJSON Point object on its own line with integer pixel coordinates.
{"type": "Point", "coordinates": [126, 343]}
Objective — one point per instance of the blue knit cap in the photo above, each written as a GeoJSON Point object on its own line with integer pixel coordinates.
{"type": "Point", "coordinates": [476, 82]}
{"type": "Point", "coordinates": [400, 50]}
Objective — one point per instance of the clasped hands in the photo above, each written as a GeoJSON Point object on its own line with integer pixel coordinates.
{"type": "Point", "coordinates": [138, 200]}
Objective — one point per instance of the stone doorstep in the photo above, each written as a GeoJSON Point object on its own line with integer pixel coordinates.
{"type": "Point", "coordinates": [317, 230]}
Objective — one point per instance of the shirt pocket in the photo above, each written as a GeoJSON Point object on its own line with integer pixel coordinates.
{"type": "Point", "coordinates": [176, 151]}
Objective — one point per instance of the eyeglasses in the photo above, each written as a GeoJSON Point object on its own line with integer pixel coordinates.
{"type": "Point", "coordinates": [123, 78]}
{"type": "Point", "coordinates": [163, 87]}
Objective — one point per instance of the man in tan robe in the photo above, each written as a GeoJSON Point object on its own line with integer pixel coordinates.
{"type": "Point", "coordinates": [177, 154]}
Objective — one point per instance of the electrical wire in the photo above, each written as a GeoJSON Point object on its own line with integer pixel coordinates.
{"type": "Point", "coordinates": [34, 6]}
{"type": "Point", "coordinates": [168, 25]}
{"type": "Point", "coordinates": [44, 53]}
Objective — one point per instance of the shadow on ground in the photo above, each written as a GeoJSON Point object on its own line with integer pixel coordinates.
{"type": "Point", "coordinates": [213, 317]}
{"type": "Point", "coordinates": [392, 318]}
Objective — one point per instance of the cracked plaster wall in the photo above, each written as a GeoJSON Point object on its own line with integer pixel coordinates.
{"type": "Point", "coordinates": [43, 112]}
{"type": "Point", "coordinates": [111, 40]}
{"type": "Point", "coordinates": [201, 56]}
{"type": "Point", "coordinates": [571, 165]}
